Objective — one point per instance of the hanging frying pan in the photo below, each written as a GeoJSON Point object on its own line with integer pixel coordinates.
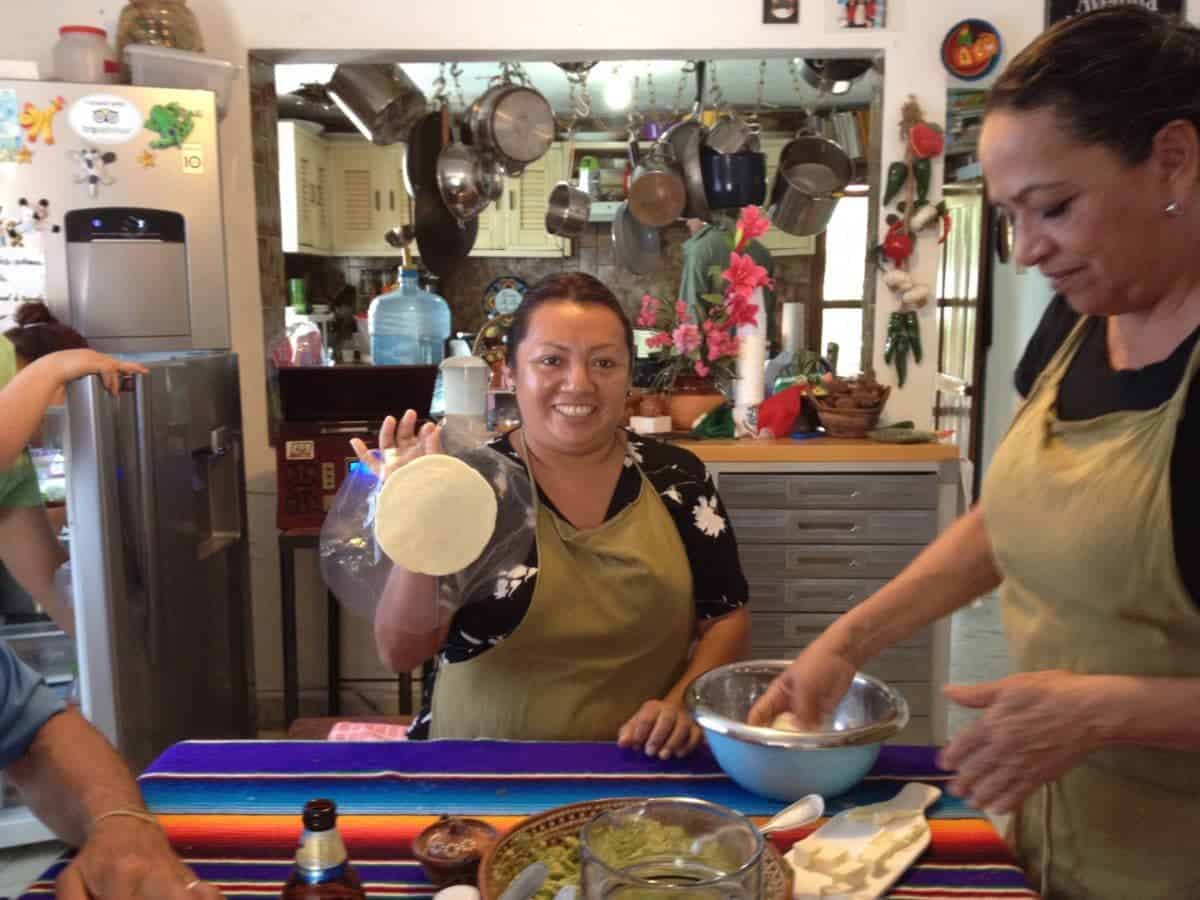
{"type": "Point", "coordinates": [441, 239]}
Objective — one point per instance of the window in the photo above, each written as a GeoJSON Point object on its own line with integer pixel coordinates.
{"type": "Point", "coordinates": [845, 273]}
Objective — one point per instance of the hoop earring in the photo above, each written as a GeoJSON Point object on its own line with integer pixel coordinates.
{"type": "Point", "coordinates": [1173, 209]}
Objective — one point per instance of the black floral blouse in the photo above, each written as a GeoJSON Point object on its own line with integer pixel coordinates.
{"type": "Point", "coordinates": [688, 492]}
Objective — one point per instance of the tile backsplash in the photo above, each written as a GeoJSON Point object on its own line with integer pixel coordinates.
{"type": "Point", "coordinates": [331, 278]}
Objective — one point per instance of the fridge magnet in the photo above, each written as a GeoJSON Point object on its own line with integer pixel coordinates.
{"type": "Point", "coordinates": [93, 168]}
{"type": "Point", "coordinates": [104, 119]}
{"type": "Point", "coordinates": [39, 123]}
{"type": "Point", "coordinates": [1057, 10]}
{"type": "Point", "coordinates": [23, 157]}
{"type": "Point", "coordinates": [172, 123]}
{"type": "Point", "coordinates": [781, 12]}
{"type": "Point", "coordinates": [146, 159]}
{"type": "Point", "coordinates": [971, 49]}
{"type": "Point", "coordinates": [11, 138]}
{"type": "Point", "coordinates": [862, 13]}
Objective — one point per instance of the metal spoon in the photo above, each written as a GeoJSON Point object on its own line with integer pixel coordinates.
{"type": "Point", "coordinates": [527, 883]}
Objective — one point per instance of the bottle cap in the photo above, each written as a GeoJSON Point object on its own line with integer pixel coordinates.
{"type": "Point", "coordinates": [320, 815]}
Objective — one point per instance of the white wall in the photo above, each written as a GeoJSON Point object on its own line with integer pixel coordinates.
{"type": "Point", "coordinates": [528, 29]}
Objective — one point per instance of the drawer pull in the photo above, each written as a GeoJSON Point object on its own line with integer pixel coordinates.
{"type": "Point", "coordinates": [848, 527]}
{"type": "Point", "coordinates": [825, 561]}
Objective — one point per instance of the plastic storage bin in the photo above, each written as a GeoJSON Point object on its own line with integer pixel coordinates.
{"type": "Point", "coordinates": [152, 66]}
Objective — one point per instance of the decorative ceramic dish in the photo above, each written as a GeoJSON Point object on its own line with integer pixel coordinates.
{"type": "Point", "coordinates": [554, 825]}
{"type": "Point", "coordinates": [503, 296]}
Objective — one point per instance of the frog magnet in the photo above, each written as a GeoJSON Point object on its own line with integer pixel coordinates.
{"type": "Point", "coordinates": [172, 123]}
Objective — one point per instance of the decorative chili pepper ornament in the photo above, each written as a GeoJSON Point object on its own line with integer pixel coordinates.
{"type": "Point", "coordinates": [907, 185]}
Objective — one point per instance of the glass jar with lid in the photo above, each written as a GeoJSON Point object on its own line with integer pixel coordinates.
{"type": "Point", "coordinates": [163, 23]}
{"type": "Point", "coordinates": [82, 55]}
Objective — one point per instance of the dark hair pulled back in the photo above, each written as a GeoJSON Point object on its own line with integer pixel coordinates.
{"type": "Point", "coordinates": [38, 332]}
{"type": "Point", "coordinates": [571, 287]}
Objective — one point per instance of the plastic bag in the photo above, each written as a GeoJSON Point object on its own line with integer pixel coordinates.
{"type": "Point", "coordinates": [356, 570]}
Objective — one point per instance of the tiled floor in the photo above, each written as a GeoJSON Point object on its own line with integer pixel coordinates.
{"type": "Point", "coordinates": [21, 866]}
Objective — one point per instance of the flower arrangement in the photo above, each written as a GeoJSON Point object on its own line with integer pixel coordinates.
{"type": "Point", "coordinates": [705, 343]}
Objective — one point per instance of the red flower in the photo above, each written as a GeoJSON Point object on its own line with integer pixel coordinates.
{"type": "Point", "coordinates": [661, 339]}
{"type": "Point", "coordinates": [751, 224]}
{"type": "Point", "coordinates": [686, 338]}
{"type": "Point", "coordinates": [744, 274]}
{"type": "Point", "coordinates": [649, 314]}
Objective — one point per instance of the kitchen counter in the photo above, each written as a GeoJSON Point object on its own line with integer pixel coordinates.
{"type": "Point", "coordinates": [818, 450]}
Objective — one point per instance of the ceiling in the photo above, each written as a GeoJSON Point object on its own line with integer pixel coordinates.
{"type": "Point", "coordinates": [738, 80]}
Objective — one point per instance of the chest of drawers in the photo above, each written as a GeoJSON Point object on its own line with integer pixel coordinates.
{"type": "Point", "coordinates": [817, 539]}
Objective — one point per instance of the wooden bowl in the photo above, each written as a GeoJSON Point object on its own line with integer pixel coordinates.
{"type": "Point", "coordinates": [564, 821]}
{"type": "Point", "coordinates": [849, 422]}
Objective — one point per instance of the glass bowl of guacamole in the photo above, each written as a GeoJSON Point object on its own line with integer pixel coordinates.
{"type": "Point", "coordinates": [671, 849]}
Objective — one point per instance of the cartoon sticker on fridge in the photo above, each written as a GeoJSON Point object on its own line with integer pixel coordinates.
{"type": "Point", "coordinates": [39, 123]}
{"type": "Point", "coordinates": [12, 141]}
{"type": "Point", "coordinates": [172, 123]}
{"type": "Point", "coordinates": [93, 168]}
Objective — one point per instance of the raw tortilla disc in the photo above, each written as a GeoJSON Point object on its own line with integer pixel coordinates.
{"type": "Point", "coordinates": [435, 515]}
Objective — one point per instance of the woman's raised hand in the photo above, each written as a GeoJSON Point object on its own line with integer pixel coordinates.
{"type": "Point", "coordinates": [399, 443]}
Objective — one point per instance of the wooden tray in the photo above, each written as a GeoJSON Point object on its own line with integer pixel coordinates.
{"type": "Point", "coordinates": [563, 821]}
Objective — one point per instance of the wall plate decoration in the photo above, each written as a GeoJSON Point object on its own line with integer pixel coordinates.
{"type": "Point", "coordinates": [781, 12]}
{"type": "Point", "coordinates": [971, 49]}
{"type": "Point", "coordinates": [1057, 10]}
{"type": "Point", "coordinates": [862, 13]}
{"type": "Point", "coordinates": [503, 296]}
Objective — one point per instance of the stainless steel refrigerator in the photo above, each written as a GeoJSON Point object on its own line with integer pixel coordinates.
{"type": "Point", "coordinates": [110, 211]}
{"type": "Point", "coordinates": [159, 558]}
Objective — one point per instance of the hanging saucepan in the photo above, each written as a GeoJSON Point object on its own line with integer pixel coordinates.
{"type": "Point", "coordinates": [512, 123]}
{"type": "Point", "coordinates": [569, 207]}
{"type": "Point", "coordinates": [685, 139]}
{"type": "Point", "coordinates": [441, 238]}
{"type": "Point", "coordinates": [733, 180]}
{"type": "Point", "coordinates": [468, 181]}
{"type": "Point", "coordinates": [813, 172]}
{"type": "Point", "coordinates": [833, 76]}
{"type": "Point", "coordinates": [637, 247]}
{"type": "Point", "coordinates": [381, 101]}
{"type": "Point", "coordinates": [730, 134]}
{"type": "Point", "coordinates": [657, 195]}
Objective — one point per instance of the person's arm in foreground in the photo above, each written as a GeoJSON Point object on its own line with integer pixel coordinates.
{"type": "Point", "coordinates": [70, 777]}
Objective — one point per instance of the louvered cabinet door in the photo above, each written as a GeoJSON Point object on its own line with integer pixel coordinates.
{"type": "Point", "coordinates": [359, 210]}
{"type": "Point", "coordinates": [527, 201]}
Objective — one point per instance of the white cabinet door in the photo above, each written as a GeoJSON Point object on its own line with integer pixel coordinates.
{"type": "Point", "coordinates": [528, 199]}
{"type": "Point", "coordinates": [303, 190]}
{"type": "Point", "coordinates": [358, 211]}
{"type": "Point", "coordinates": [778, 241]}
{"type": "Point", "coordinates": [492, 224]}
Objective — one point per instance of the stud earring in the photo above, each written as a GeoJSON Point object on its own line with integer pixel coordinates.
{"type": "Point", "coordinates": [1174, 209]}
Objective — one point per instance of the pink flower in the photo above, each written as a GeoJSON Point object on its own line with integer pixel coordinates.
{"type": "Point", "coordinates": [701, 369]}
{"type": "Point", "coordinates": [744, 274]}
{"type": "Point", "coordinates": [753, 223]}
{"type": "Point", "coordinates": [661, 339]}
{"type": "Point", "coordinates": [649, 314]}
{"type": "Point", "coordinates": [686, 338]}
{"type": "Point", "coordinates": [741, 311]}
{"type": "Point", "coordinates": [721, 341]}
{"type": "Point", "coordinates": [681, 311]}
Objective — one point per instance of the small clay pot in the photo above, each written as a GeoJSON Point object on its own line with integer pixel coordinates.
{"type": "Point", "coordinates": [450, 849]}
{"type": "Point", "coordinates": [653, 405]}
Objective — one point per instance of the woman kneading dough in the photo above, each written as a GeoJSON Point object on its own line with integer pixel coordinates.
{"type": "Point", "coordinates": [633, 587]}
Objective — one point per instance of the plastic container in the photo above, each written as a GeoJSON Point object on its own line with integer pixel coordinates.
{"type": "Point", "coordinates": [167, 68]}
{"type": "Point", "coordinates": [82, 55]}
{"type": "Point", "coordinates": [408, 326]}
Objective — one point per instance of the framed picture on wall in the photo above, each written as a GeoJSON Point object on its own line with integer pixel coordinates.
{"type": "Point", "coordinates": [781, 12]}
{"type": "Point", "coordinates": [861, 13]}
{"type": "Point", "coordinates": [1057, 10]}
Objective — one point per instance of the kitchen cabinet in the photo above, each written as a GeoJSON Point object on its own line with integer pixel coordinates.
{"type": "Point", "coordinates": [779, 242]}
{"type": "Point", "coordinates": [339, 195]}
{"type": "Point", "coordinates": [304, 181]}
{"type": "Point", "coordinates": [369, 196]}
{"type": "Point", "coordinates": [817, 536]}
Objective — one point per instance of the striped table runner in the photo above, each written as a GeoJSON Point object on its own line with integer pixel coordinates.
{"type": "Point", "coordinates": [232, 808]}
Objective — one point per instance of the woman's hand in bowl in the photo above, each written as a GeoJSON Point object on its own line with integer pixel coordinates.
{"type": "Point", "coordinates": [810, 688]}
{"type": "Point", "coordinates": [399, 443]}
{"type": "Point", "coordinates": [662, 728]}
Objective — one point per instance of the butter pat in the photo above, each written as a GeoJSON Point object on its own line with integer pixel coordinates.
{"type": "Point", "coordinates": [650, 424]}
{"type": "Point", "coordinates": [826, 858]}
{"type": "Point", "coordinates": [850, 873]}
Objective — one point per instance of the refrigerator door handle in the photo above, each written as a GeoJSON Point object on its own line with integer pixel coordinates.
{"type": "Point", "coordinates": [147, 515]}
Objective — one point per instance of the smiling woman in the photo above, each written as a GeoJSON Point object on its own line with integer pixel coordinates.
{"type": "Point", "coordinates": [633, 587]}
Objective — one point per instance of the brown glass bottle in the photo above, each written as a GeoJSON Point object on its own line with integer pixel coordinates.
{"type": "Point", "coordinates": [322, 870]}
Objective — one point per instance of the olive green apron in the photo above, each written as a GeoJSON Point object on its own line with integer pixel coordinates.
{"type": "Point", "coordinates": [609, 627]}
{"type": "Point", "coordinates": [1079, 516]}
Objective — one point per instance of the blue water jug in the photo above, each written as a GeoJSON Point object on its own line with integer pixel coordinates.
{"type": "Point", "coordinates": [408, 326]}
